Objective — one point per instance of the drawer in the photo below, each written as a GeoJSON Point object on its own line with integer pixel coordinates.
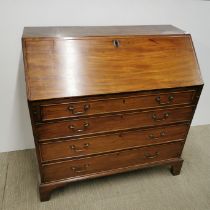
{"type": "Point", "coordinates": [91, 125]}
{"type": "Point", "coordinates": [107, 162]}
{"type": "Point", "coordinates": [101, 106]}
{"type": "Point", "coordinates": [111, 142]}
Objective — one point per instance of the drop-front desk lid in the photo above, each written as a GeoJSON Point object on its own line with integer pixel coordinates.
{"type": "Point", "coordinates": [82, 61]}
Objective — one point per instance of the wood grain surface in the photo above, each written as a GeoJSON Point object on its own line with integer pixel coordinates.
{"type": "Point", "coordinates": [79, 127]}
{"type": "Point", "coordinates": [115, 160]}
{"type": "Point", "coordinates": [111, 142]}
{"type": "Point", "coordinates": [112, 104]}
{"type": "Point", "coordinates": [62, 67]}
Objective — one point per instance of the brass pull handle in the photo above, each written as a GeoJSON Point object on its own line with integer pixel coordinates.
{"type": "Point", "coordinates": [116, 43]}
{"type": "Point", "coordinates": [149, 156]}
{"type": "Point", "coordinates": [170, 100]}
{"type": "Point", "coordinates": [76, 149]}
{"type": "Point", "coordinates": [86, 107]}
{"type": "Point", "coordinates": [85, 126]}
{"type": "Point", "coordinates": [80, 169]}
{"type": "Point", "coordinates": [153, 137]}
{"type": "Point", "coordinates": [155, 118]}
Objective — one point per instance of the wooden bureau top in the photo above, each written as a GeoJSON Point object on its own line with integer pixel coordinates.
{"type": "Point", "coordinates": [84, 31]}
{"type": "Point", "coordinates": [81, 61]}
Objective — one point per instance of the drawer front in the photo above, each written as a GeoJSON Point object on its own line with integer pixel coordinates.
{"type": "Point", "coordinates": [112, 123]}
{"type": "Point", "coordinates": [100, 106]}
{"type": "Point", "coordinates": [111, 142]}
{"type": "Point", "coordinates": [85, 166]}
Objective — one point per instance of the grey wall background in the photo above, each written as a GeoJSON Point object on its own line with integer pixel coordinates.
{"type": "Point", "coordinates": [191, 15]}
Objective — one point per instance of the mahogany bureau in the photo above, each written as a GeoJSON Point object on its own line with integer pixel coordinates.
{"type": "Point", "coordinates": [105, 100]}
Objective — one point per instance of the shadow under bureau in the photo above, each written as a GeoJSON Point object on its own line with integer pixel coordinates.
{"type": "Point", "coordinates": [110, 99]}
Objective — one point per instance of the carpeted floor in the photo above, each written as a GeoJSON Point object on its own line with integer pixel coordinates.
{"type": "Point", "coordinates": [147, 189]}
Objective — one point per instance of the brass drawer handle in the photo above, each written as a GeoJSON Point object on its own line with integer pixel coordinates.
{"type": "Point", "coordinates": [76, 149]}
{"type": "Point", "coordinates": [155, 118]}
{"type": "Point", "coordinates": [116, 43]}
{"type": "Point", "coordinates": [153, 137]}
{"type": "Point", "coordinates": [85, 126]}
{"type": "Point", "coordinates": [149, 156]}
{"type": "Point", "coordinates": [80, 169]}
{"type": "Point", "coordinates": [170, 100]}
{"type": "Point", "coordinates": [86, 107]}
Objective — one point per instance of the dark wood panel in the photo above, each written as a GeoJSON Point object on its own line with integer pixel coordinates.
{"type": "Point", "coordinates": [100, 106]}
{"type": "Point", "coordinates": [67, 68]}
{"type": "Point", "coordinates": [108, 162]}
{"type": "Point", "coordinates": [77, 127]}
{"type": "Point", "coordinates": [111, 142]}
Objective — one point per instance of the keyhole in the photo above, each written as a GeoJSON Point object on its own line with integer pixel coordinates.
{"type": "Point", "coordinates": [116, 43]}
